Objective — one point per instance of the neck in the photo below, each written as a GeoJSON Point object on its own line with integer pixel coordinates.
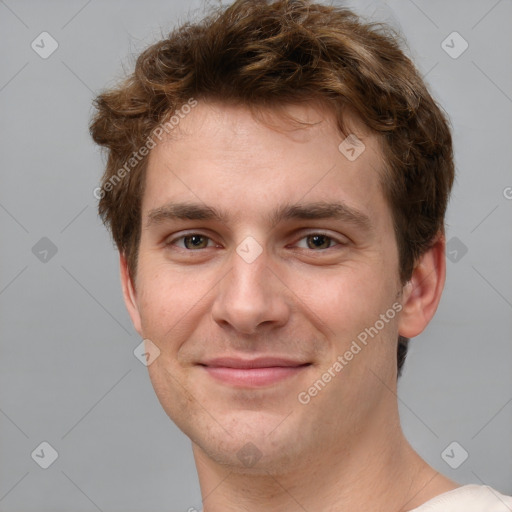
{"type": "Point", "coordinates": [376, 470]}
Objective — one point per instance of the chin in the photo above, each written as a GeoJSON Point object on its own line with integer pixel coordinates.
{"type": "Point", "coordinates": [249, 442]}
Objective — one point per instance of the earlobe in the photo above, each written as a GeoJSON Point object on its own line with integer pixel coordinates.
{"type": "Point", "coordinates": [421, 295]}
{"type": "Point", "coordinates": [129, 294]}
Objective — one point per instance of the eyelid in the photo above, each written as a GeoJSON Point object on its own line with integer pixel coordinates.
{"type": "Point", "coordinates": [172, 239]}
{"type": "Point", "coordinates": [339, 239]}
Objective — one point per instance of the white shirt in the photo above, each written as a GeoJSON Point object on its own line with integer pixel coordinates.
{"type": "Point", "coordinates": [468, 498]}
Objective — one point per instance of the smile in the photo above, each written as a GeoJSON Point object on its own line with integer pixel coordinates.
{"type": "Point", "coordinates": [255, 373]}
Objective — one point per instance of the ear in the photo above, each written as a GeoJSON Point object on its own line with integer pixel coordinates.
{"type": "Point", "coordinates": [129, 294]}
{"type": "Point", "coordinates": [422, 293]}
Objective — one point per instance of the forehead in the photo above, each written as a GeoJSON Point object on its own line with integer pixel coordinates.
{"type": "Point", "coordinates": [249, 160]}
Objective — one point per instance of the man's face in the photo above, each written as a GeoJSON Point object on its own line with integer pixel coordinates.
{"type": "Point", "coordinates": [277, 275]}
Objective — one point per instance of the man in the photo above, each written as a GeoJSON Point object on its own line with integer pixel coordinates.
{"type": "Point", "coordinates": [276, 184]}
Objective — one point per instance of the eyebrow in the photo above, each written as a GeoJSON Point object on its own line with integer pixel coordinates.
{"type": "Point", "coordinates": [299, 211]}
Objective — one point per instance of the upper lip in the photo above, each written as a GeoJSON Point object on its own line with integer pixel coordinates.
{"type": "Point", "coordinates": [260, 362]}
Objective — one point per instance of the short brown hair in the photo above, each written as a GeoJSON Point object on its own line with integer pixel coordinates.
{"type": "Point", "coordinates": [262, 53]}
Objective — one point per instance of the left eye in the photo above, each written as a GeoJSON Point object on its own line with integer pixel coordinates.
{"type": "Point", "coordinates": [317, 241]}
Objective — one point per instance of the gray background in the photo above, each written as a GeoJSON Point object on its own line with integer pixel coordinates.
{"type": "Point", "coordinates": [68, 374]}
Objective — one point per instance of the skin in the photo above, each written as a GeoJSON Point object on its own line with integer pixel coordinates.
{"type": "Point", "coordinates": [344, 450]}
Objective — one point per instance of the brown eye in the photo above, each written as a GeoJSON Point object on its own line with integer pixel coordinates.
{"type": "Point", "coordinates": [195, 241]}
{"type": "Point", "coordinates": [191, 241]}
{"type": "Point", "coordinates": [318, 241]}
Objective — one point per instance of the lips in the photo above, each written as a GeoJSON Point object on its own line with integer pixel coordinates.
{"type": "Point", "coordinates": [252, 373]}
{"type": "Point", "coordinates": [261, 362]}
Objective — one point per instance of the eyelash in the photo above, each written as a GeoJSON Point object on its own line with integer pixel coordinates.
{"type": "Point", "coordinates": [315, 233]}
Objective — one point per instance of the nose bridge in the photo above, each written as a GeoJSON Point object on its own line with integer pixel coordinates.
{"type": "Point", "coordinates": [250, 295]}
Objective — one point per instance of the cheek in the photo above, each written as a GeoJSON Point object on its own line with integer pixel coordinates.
{"type": "Point", "coordinates": [349, 306]}
{"type": "Point", "coordinates": [162, 302]}
{"type": "Point", "coordinates": [172, 303]}
{"type": "Point", "coordinates": [350, 294]}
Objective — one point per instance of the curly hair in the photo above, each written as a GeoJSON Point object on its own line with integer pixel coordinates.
{"type": "Point", "coordinates": [262, 53]}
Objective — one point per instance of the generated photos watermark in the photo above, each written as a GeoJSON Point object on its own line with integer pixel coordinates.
{"type": "Point", "coordinates": [143, 151]}
{"type": "Point", "coordinates": [355, 348]}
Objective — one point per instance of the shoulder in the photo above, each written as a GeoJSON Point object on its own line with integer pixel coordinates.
{"type": "Point", "coordinates": [468, 498]}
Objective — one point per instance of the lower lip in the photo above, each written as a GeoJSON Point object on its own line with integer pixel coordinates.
{"type": "Point", "coordinates": [253, 377]}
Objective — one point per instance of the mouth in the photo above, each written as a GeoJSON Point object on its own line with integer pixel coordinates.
{"type": "Point", "coordinates": [252, 373]}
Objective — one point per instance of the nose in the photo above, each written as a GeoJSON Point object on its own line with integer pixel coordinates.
{"type": "Point", "coordinates": [251, 297]}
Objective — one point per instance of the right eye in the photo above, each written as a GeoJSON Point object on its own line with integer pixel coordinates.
{"type": "Point", "coordinates": [192, 241]}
